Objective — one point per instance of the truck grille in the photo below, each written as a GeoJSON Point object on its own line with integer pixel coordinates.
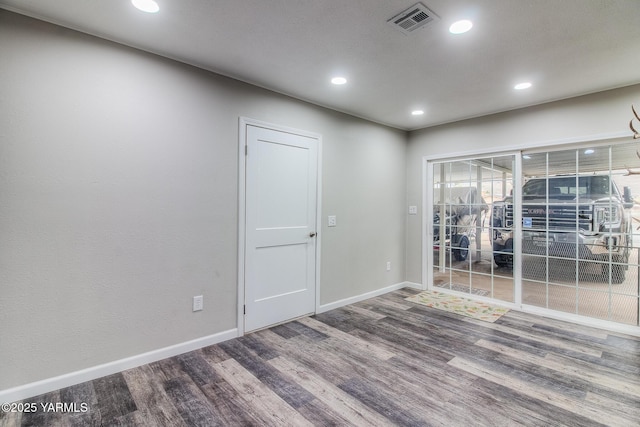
{"type": "Point", "coordinates": [561, 217]}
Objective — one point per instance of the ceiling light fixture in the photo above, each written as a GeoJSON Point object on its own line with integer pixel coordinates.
{"type": "Point", "coordinates": [338, 80]}
{"type": "Point", "coordinates": [460, 27]}
{"type": "Point", "coordinates": [523, 85]}
{"type": "Point", "coordinates": [149, 6]}
{"type": "Point", "coordinates": [417, 112]}
{"type": "Point", "coordinates": [589, 151]}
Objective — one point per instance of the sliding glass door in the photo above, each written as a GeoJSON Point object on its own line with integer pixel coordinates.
{"type": "Point", "coordinates": [580, 231]}
{"type": "Point", "coordinates": [463, 194]}
{"type": "Point", "coordinates": [554, 229]}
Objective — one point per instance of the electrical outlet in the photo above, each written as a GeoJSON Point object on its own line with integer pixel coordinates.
{"type": "Point", "coordinates": [413, 210]}
{"type": "Point", "coordinates": [198, 303]}
{"type": "Point", "coordinates": [332, 221]}
{"type": "Point", "coordinates": [388, 265]}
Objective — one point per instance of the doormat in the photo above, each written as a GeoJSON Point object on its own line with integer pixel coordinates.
{"type": "Point", "coordinates": [465, 289]}
{"type": "Point", "coordinates": [463, 306]}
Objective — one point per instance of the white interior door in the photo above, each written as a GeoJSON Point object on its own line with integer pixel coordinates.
{"type": "Point", "coordinates": [280, 245]}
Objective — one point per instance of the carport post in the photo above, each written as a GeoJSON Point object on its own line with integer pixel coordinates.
{"type": "Point", "coordinates": [442, 255]}
{"type": "Point", "coordinates": [479, 215]}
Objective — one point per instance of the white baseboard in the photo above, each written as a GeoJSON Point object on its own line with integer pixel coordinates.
{"type": "Point", "coordinates": [362, 297]}
{"type": "Point", "coordinates": [582, 320]}
{"type": "Point", "coordinates": [414, 285]}
{"type": "Point", "coordinates": [39, 387]}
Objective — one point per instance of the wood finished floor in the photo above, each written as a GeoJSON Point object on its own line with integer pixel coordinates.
{"type": "Point", "coordinates": [380, 362]}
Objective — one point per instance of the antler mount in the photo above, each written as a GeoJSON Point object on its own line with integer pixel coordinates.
{"type": "Point", "coordinates": [636, 134]}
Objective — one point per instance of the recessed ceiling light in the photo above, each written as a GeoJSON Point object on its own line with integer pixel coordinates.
{"type": "Point", "coordinates": [338, 80]}
{"type": "Point", "coordinates": [589, 151]}
{"type": "Point", "coordinates": [460, 27]}
{"type": "Point", "coordinates": [523, 85]}
{"type": "Point", "coordinates": [149, 6]}
{"type": "Point", "coordinates": [417, 112]}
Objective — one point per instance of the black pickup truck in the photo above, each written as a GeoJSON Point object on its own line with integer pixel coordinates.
{"type": "Point", "coordinates": [576, 217]}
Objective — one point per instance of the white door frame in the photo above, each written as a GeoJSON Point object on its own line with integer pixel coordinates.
{"type": "Point", "coordinates": [242, 211]}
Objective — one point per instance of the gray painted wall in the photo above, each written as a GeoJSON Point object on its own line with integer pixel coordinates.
{"type": "Point", "coordinates": [118, 189]}
{"type": "Point", "coordinates": [581, 118]}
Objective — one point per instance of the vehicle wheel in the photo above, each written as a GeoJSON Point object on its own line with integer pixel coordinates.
{"type": "Point", "coordinates": [462, 252]}
{"type": "Point", "coordinates": [504, 260]}
{"type": "Point", "coordinates": [618, 273]}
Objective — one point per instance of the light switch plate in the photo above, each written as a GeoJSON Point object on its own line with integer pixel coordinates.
{"type": "Point", "coordinates": [198, 303]}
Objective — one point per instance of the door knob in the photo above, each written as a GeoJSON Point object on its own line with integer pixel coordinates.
{"type": "Point", "coordinates": [312, 234]}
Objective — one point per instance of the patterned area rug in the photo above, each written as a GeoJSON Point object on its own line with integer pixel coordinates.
{"type": "Point", "coordinates": [463, 306]}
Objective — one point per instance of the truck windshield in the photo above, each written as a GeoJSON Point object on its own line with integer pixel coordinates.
{"type": "Point", "coordinates": [567, 186]}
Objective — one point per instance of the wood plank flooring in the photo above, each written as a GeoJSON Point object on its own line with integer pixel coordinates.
{"type": "Point", "coordinates": [380, 362]}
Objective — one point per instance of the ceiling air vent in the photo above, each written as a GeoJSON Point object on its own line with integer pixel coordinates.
{"type": "Point", "coordinates": [417, 16]}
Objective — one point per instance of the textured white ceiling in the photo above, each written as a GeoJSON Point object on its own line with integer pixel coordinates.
{"type": "Point", "coordinates": [564, 47]}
